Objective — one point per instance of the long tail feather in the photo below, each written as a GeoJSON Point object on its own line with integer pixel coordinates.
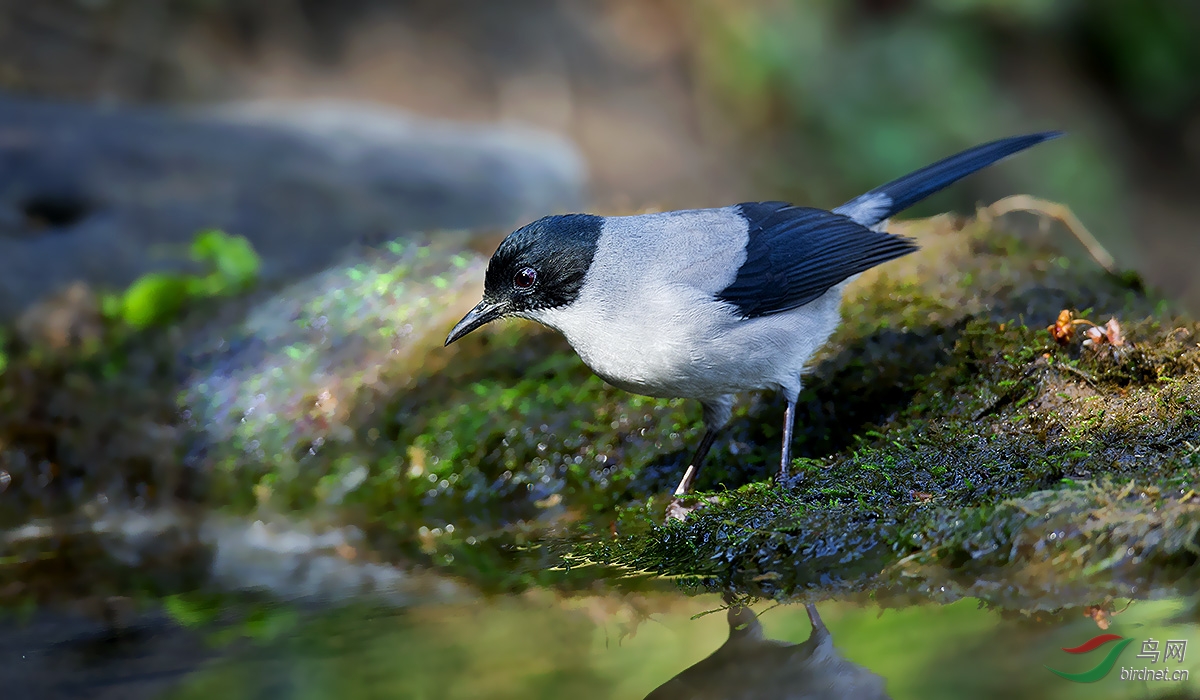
{"type": "Point", "coordinates": [882, 202]}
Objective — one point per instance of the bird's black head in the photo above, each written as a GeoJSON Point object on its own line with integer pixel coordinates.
{"type": "Point", "coordinates": [538, 266]}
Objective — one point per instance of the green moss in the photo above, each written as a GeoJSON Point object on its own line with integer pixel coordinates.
{"type": "Point", "coordinates": [950, 435]}
{"type": "Point", "coordinates": [935, 402]}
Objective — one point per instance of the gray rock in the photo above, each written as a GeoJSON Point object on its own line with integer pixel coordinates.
{"type": "Point", "coordinates": [104, 195]}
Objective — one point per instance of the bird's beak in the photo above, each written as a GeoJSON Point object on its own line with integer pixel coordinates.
{"type": "Point", "coordinates": [484, 312]}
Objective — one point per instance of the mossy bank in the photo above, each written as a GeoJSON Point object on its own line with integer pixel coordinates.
{"type": "Point", "coordinates": [948, 443]}
{"type": "Point", "coordinates": [957, 446]}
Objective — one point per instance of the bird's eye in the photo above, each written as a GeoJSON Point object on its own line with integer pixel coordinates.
{"type": "Point", "coordinates": [525, 278]}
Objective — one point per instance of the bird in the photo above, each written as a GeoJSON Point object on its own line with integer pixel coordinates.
{"type": "Point", "coordinates": [749, 666]}
{"type": "Point", "coordinates": [706, 304]}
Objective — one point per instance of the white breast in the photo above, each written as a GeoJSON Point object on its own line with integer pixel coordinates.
{"type": "Point", "coordinates": [647, 321]}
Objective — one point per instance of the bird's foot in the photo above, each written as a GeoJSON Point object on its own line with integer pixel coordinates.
{"type": "Point", "coordinates": [681, 506]}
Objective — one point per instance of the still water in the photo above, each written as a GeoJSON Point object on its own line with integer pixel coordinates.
{"type": "Point", "coordinates": [605, 645]}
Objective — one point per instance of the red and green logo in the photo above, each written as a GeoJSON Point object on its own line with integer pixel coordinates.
{"type": "Point", "coordinates": [1106, 664]}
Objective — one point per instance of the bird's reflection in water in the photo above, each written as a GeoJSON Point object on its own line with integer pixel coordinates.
{"type": "Point", "coordinates": [750, 666]}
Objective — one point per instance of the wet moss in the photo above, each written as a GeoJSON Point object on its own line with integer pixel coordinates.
{"type": "Point", "coordinates": [946, 427]}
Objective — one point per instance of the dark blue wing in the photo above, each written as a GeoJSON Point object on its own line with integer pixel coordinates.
{"type": "Point", "coordinates": [796, 254]}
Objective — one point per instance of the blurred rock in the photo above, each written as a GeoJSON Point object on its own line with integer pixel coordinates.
{"type": "Point", "coordinates": [514, 172]}
{"type": "Point", "coordinates": [151, 552]}
{"type": "Point", "coordinates": [305, 370]}
{"type": "Point", "coordinates": [102, 195]}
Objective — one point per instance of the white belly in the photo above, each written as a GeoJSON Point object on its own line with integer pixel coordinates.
{"type": "Point", "coordinates": [649, 346]}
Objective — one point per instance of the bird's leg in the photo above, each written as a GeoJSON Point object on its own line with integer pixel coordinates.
{"type": "Point", "coordinates": [785, 454]}
{"type": "Point", "coordinates": [689, 476]}
{"type": "Point", "coordinates": [716, 414]}
{"type": "Point", "coordinates": [814, 618]}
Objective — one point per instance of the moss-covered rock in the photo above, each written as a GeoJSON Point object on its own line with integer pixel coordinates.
{"type": "Point", "coordinates": [959, 445]}
{"type": "Point", "coordinates": [946, 441]}
{"type": "Point", "coordinates": [305, 372]}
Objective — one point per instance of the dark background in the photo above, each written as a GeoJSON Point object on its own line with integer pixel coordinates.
{"type": "Point", "coordinates": [706, 102]}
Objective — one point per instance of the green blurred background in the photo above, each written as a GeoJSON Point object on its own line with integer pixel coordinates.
{"type": "Point", "coordinates": [681, 103]}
